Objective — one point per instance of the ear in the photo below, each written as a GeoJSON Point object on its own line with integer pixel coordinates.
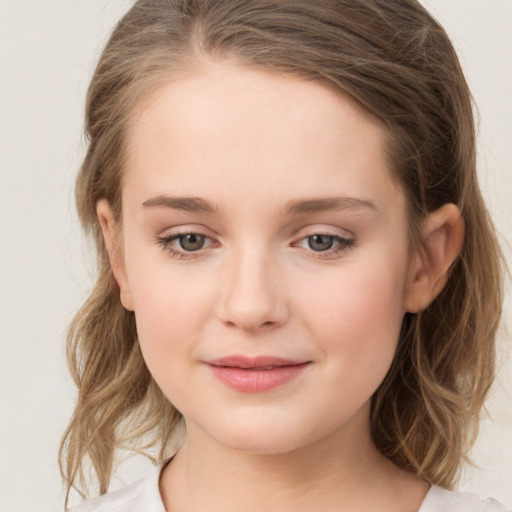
{"type": "Point", "coordinates": [442, 236]}
{"type": "Point", "coordinates": [112, 237]}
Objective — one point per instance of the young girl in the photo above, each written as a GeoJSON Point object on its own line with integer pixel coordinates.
{"type": "Point", "coordinates": [294, 259]}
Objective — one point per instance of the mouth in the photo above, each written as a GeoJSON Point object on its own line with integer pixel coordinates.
{"type": "Point", "coordinates": [256, 374]}
{"type": "Point", "coordinates": [254, 363]}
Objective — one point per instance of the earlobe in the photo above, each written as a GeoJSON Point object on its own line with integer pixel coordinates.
{"type": "Point", "coordinates": [111, 236]}
{"type": "Point", "coordinates": [442, 237]}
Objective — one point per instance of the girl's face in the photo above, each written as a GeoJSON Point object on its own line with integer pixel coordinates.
{"type": "Point", "coordinates": [264, 252]}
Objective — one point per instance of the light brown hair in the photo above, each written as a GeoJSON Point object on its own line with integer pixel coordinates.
{"type": "Point", "coordinates": [397, 63]}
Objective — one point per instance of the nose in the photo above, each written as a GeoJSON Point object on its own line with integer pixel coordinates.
{"type": "Point", "coordinates": [253, 297]}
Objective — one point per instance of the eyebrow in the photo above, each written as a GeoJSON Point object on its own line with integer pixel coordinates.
{"type": "Point", "coordinates": [328, 204]}
{"type": "Point", "coordinates": [297, 206]}
{"type": "Point", "coordinates": [188, 204]}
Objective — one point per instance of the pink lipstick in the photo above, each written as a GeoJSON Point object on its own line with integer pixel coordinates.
{"type": "Point", "coordinates": [255, 374]}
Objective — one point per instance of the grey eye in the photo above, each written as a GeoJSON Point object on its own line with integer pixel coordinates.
{"type": "Point", "coordinates": [320, 242]}
{"type": "Point", "coordinates": [191, 241]}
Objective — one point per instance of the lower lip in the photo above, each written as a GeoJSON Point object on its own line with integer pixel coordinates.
{"type": "Point", "coordinates": [254, 381]}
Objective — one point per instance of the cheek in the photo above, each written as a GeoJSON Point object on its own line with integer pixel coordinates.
{"type": "Point", "coordinates": [358, 320]}
{"type": "Point", "coordinates": [170, 308]}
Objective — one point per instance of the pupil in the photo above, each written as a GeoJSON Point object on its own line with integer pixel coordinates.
{"type": "Point", "coordinates": [191, 242]}
{"type": "Point", "coordinates": [320, 242]}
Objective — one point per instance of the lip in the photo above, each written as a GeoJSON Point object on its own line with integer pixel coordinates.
{"type": "Point", "coordinates": [255, 374]}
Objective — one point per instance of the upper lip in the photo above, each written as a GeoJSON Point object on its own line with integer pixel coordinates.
{"type": "Point", "coordinates": [264, 362]}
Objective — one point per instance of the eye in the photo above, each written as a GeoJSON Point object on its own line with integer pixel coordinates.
{"type": "Point", "coordinates": [325, 245]}
{"type": "Point", "coordinates": [184, 245]}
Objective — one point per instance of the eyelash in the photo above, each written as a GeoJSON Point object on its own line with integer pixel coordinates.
{"type": "Point", "coordinates": [165, 242]}
{"type": "Point", "coordinates": [342, 244]}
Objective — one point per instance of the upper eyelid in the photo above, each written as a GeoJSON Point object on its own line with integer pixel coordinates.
{"type": "Point", "coordinates": [319, 230]}
{"type": "Point", "coordinates": [171, 231]}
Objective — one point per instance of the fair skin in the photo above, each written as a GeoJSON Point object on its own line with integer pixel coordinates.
{"type": "Point", "coordinates": [260, 219]}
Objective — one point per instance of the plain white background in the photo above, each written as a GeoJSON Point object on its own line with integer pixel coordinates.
{"type": "Point", "coordinates": [47, 54]}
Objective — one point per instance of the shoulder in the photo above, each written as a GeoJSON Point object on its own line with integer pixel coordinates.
{"type": "Point", "coordinates": [143, 494]}
{"type": "Point", "coordinates": [442, 500]}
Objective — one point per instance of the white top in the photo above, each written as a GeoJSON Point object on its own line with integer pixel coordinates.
{"type": "Point", "coordinates": [144, 495]}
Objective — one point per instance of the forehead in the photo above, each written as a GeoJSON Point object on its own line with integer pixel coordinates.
{"type": "Point", "coordinates": [234, 132]}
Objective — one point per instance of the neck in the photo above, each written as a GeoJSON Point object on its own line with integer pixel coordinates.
{"type": "Point", "coordinates": [341, 471]}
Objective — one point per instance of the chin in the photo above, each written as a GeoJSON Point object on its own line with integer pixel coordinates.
{"type": "Point", "coordinates": [259, 436]}
{"type": "Point", "coordinates": [262, 445]}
